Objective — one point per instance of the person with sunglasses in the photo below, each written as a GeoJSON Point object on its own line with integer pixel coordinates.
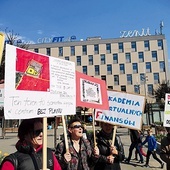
{"type": "Point", "coordinates": [81, 155]}
{"type": "Point", "coordinates": [29, 149]}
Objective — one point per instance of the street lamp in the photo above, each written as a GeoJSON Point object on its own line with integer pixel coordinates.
{"type": "Point", "coordinates": [144, 78]}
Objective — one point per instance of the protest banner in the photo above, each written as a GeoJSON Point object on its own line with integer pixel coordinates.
{"type": "Point", "coordinates": [167, 111]}
{"type": "Point", "coordinates": [37, 85]}
{"type": "Point", "coordinates": [90, 92]}
{"type": "Point", "coordinates": [2, 40]}
{"type": "Point", "coordinates": [124, 110]}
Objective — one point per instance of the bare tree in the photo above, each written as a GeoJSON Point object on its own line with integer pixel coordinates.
{"type": "Point", "coordinates": [12, 39]}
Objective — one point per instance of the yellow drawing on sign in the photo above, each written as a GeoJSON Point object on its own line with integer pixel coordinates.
{"type": "Point", "coordinates": [34, 68]}
{"type": "Point", "coordinates": [32, 71]}
{"type": "Point", "coordinates": [2, 40]}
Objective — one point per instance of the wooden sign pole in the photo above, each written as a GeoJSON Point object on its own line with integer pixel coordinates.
{"type": "Point", "coordinates": [65, 134]}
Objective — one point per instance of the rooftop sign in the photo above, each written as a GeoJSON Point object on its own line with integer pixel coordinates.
{"type": "Point", "coordinates": [55, 39]}
{"type": "Point", "coordinates": [135, 33]}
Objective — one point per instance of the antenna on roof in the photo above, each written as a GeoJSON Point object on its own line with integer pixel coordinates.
{"type": "Point", "coordinates": [161, 26]}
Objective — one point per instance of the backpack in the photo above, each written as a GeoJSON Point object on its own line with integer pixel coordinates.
{"type": "Point", "coordinates": [11, 158]}
{"type": "Point", "coordinates": [14, 159]}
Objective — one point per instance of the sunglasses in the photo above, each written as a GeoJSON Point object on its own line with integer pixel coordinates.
{"type": "Point", "coordinates": [37, 132]}
{"type": "Point", "coordinates": [77, 126]}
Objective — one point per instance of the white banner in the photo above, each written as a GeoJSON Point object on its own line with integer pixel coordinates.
{"type": "Point", "coordinates": [124, 110]}
{"type": "Point", "coordinates": [37, 85]}
{"type": "Point", "coordinates": [167, 111]}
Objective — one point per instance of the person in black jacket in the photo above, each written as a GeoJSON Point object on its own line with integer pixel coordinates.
{"type": "Point", "coordinates": [110, 156]}
{"type": "Point", "coordinates": [135, 141]}
{"type": "Point", "coordinates": [29, 147]}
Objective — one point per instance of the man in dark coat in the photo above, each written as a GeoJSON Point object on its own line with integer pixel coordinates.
{"type": "Point", "coordinates": [135, 141]}
{"type": "Point", "coordinates": [165, 149]}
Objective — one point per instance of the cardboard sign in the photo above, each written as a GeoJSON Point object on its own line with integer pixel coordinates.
{"type": "Point", "coordinates": [91, 92]}
{"type": "Point", "coordinates": [124, 110]}
{"type": "Point", "coordinates": [37, 85]}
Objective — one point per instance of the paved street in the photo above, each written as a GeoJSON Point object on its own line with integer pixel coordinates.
{"type": "Point", "coordinates": [8, 145]}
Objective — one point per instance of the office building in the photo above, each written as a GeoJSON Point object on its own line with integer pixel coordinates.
{"type": "Point", "coordinates": [135, 64]}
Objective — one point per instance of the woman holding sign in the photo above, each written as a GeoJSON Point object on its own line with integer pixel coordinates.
{"type": "Point", "coordinates": [29, 149]}
{"type": "Point", "coordinates": [110, 156]}
{"type": "Point", "coordinates": [80, 155]}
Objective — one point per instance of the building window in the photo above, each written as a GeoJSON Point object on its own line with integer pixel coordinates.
{"type": "Point", "coordinates": [109, 69]}
{"type": "Point", "coordinates": [60, 51]}
{"type": "Point", "coordinates": [156, 78]}
{"type": "Point", "coordinates": [154, 56]}
{"type": "Point", "coordinates": [85, 69]}
{"type": "Point", "coordinates": [133, 46]}
{"type": "Point", "coordinates": [122, 68]}
{"type": "Point", "coordinates": [103, 78]}
{"type": "Point", "coordinates": [129, 79]}
{"type": "Point", "coordinates": [96, 49]}
{"type": "Point", "coordinates": [102, 58]}
{"type": "Point", "coordinates": [148, 67]}
{"type": "Point", "coordinates": [123, 88]}
{"type": "Point", "coordinates": [121, 49]}
{"type": "Point", "coordinates": [135, 67]}
{"type": "Point", "coordinates": [84, 49]}
{"type": "Point", "coordinates": [115, 58]}
{"type": "Point", "coordinates": [110, 87]}
{"type": "Point", "coordinates": [72, 50]}
{"type": "Point", "coordinates": [67, 58]}
{"type": "Point", "coordinates": [48, 51]}
{"type": "Point", "coordinates": [108, 48]}
{"type": "Point", "coordinates": [146, 45]}
{"type": "Point", "coordinates": [78, 60]}
{"type": "Point", "coordinates": [141, 57]}
{"type": "Point", "coordinates": [116, 79]}
{"type": "Point", "coordinates": [162, 66]}
{"type": "Point", "coordinates": [36, 50]}
{"type": "Point", "coordinates": [97, 70]}
{"type": "Point", "coordinates": [137, 89]}
{"type": "Point", "coordinates": [90, 59]}
{"type": "Point", "coordinates": [128, 58]}
{"type": "Point", "coordinates": [150, 89]}
{"type": "Point", "coordinates": [160, 44]}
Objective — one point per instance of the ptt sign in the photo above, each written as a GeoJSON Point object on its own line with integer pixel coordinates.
{"type": "Point", "coordinates": [55, 39]}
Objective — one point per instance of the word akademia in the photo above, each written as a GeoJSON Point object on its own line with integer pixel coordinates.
{"type": "Point", "coordinates": [135, 33]}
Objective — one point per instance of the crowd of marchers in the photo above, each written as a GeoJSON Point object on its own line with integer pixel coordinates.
{"type": "Point", "coordinates": [83, 152]}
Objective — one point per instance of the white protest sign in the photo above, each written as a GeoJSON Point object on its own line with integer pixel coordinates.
{"type": "Point", "coordinates": [167, 111]}
{"type": "Point", "coordinates": [37, 85]}
{"type": "Point", "coordinates": [124, 110]}
{"type": "Point", "coordinates": [1, 95]}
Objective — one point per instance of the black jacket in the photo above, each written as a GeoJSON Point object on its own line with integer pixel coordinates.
{"type": "Point", "coordinates": [103, 143]}
{"type": "Point", "coordinates": [27, 159]}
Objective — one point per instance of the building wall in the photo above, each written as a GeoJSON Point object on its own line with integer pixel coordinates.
{"type": "Point", "coordinates": [148, 53]}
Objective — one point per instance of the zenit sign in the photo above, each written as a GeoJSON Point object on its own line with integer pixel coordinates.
{"type": "Point", "coordinates": [55, 39]}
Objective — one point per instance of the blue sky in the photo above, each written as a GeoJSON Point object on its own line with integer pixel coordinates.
{"type": "Point", "coordinates": [35, 19]}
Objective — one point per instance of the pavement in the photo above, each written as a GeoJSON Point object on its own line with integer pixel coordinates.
{"type": "Point", "coordinates": [7, 145]}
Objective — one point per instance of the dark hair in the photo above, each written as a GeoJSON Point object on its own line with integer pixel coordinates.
{"type": "Point", "coordinates": [72, 121]}
{"type": "Point", "coordinates": [167, 129]}
{"type": "Point", "coordinates": [27, 127]}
